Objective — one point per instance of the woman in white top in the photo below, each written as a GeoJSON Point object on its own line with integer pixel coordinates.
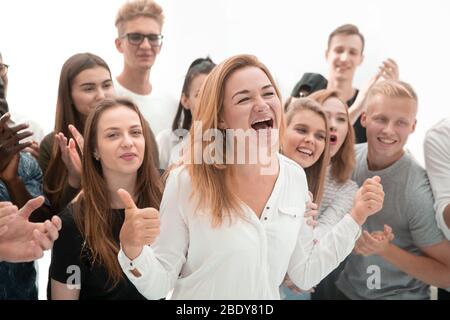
{"type": "Point", "coordinates": [170, 140]}
{"type": "Point", "coordinates": [233, 231]}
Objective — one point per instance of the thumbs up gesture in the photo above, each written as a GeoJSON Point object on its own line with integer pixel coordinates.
{"type": "Point", "coordinates": [140, 228]}
{"type": "Point", "coordinates": [368, 200]}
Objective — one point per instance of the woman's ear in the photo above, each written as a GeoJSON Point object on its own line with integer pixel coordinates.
{"type": "Point", "coordinates": [96, 155]}
{"type": "Point", "coordinates": [222, 124]}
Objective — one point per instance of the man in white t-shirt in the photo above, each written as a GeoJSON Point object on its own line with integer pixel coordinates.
{"type": "Point", "coordinates": [139, 25]}
{"type": "Point", "coordinates": [437, 162]}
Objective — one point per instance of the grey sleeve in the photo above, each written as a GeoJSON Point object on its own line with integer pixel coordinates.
{"type": "Point", "coordinates": [421, 214]}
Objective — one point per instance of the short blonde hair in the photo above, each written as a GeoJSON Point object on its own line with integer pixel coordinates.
{"type": "Point", "coordinates": [139, 8]}
{"type": "Point", "coordinates": [393, 89]}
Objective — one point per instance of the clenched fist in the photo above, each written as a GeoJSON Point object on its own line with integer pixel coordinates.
{"type": "Point", "coordinates": [368, 200]}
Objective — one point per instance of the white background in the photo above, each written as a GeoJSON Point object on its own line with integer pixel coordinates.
{"type": "Point", "coordinates": [289, 36]}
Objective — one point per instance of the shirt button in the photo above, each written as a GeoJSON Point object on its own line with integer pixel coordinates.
{"type": "Point", "coordinates": [265, 218]}
{"type": "Point", "coordinates": [267, 208]}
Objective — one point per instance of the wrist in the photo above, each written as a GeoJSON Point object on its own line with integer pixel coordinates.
{"type": "Point", "coordinates": [132, 252]}
{"type": "Point", "coordinates": [384, 251]}
{"type": "Point", "coordinates": [74, 182]}
{"type": "Point", "coordinates": [359, 218]}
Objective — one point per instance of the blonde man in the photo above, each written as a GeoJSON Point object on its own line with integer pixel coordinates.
{"type": "Point", "coordinates": [419, 256]}
{"type": "Point", "coordinates": [139, 25]}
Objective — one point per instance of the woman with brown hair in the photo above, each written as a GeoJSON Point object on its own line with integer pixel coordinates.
{"type": "Point", "coordinates": [85, 80]}
{"type": "Point", "coordinates": [339, 190]}
{"type": "Point", "coordinates": [117, 155]}
{"type": "Point", "coordinates": [232, 229]}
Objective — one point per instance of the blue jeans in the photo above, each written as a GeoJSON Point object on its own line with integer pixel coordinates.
{"type": "Point", "coordinates": [18, 281]}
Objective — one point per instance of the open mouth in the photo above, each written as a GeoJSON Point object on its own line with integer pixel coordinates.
{"type": "Point", "coordinates": [342, 69]}
{"type": "Point", "coordinates": [333, 138]}
{"type": "Point", "coordinates": [262, 124]}
{"type": "Point", "coordinates": [387, 141]}
{"type": "Point", "coordinates": [306, 152]}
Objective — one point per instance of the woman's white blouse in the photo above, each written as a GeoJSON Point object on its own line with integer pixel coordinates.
{"type": "Point", "coordinates": [244, 259]}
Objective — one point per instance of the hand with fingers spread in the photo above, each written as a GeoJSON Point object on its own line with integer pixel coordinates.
{"type": "Point", "coordinates": [7, 213]}
{"type": "Point", "coordinates": [77, 136]}
{"type": "Point", "coordinates": [140, 228]}
{"type": "Point", "coordinates": [23, 240]}
{"type": "Point", "coordinates": [311, 211]}
{"type": "Point", "coordinates": [10, 140]}
{"type": "Point", "coordinates": [71, 158]}
{"type": "Point", "coordinates": [389, 70]}
{"type": "Point", "coordinates": [374, 243]}
{"type": "Point", "coordinates": [368, 200]}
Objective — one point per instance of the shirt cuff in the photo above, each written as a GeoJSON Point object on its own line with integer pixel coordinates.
{"type": "Point", "coordinates": [134, 268]}
{"type": "Point", "coordinates": [352, 226]}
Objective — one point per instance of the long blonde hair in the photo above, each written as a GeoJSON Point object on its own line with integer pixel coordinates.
{"type": "Point", "coordinates": [212, 182]}
{"type": "Point", "coordinates": [316, 173]}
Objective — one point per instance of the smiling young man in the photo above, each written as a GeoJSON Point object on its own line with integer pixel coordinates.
{"type": "Point", "coordinates": [419, 255]}
{"type": "Point", "coordinates": [344, 54]}
{"type": "Point", "coordinates": [139, 24]}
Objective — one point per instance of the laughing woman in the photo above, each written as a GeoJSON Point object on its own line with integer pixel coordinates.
{"type": "Point", "coordinates": [236, 230]}
{"type": "Point", "coordinates": [116, 155]}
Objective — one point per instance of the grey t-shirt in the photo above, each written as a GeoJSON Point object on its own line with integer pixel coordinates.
{"type": "Point", "coordinates": [408, 209]}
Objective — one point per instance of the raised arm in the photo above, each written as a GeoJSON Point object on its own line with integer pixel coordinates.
{"type": "Point", "coordinates": [155, 269]}
{"type": "Point", "coordinates": [313, 260]}
{"type": "Point", "coordinates": [388, 70]}
{"type": "Point", "coordinates": [342, 204]}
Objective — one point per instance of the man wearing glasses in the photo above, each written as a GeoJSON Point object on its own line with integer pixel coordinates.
{"type": "Point", "coordinates": [139, 25]}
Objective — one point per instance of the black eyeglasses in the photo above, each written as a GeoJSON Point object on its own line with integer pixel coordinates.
{"type": "Point", "coordinates": [136, 39]}
{"type": "Point", "coordinates": [3, 69]}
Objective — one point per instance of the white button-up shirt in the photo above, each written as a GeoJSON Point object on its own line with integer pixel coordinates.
{"type": "Point", "coordinates": [437, 162]}
{"type": "Point", "coordinates": [245, 259]}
